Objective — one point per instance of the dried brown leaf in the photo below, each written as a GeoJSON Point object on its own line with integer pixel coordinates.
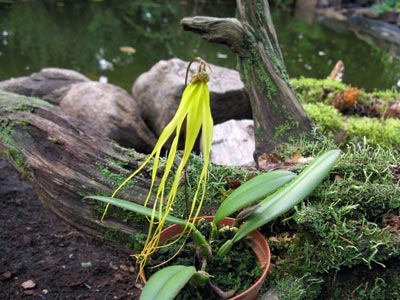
{"type": "Point", "coordinates": [393, 111]}
{"type": "Point", "coordinates": [269, 162]}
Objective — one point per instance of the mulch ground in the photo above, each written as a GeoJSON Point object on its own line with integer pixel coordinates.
{"type": "Point", "coordinates": [41, 257]}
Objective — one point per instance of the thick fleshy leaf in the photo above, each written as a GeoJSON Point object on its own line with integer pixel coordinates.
{"type": "Point", "coordinates": [290, 195]}
{"type": "Point", "coordinates": [252, 191]}
{"type": "Point", "coordinates": [166, 283]}
{"type": "Point", "coordinates": [140, 209]}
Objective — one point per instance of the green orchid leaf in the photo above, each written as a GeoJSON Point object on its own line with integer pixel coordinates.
{"type": "Point", "coordinates": [290, 195]}
{"type": "Point", "coordinates": [137, 208]}
{"type": "Point", "coordinates": [166, 283]}
{"type": "Point", "coordinates": [252, 191]}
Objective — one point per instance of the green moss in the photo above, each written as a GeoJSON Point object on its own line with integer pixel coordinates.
{"type": "Point", "coordinates": [7, 132]}
{"type": "Point", "coordinates": [385, 6]}
{"type": "Point", "coordinates": [9, 129]}
{"type": "Point", "coordinates": [338, 226]}
{"type": "Point", "coordinates": [383, 287]}
{"type": "Point", "coordinates": [327, 118]}
{"type": "Point", "coordinates": [305, 287]}
{"type": "Point", "coordinates": [216, 188]}
{"type": "Point", "coordinates": [134, 241]}
{"type": "Point", "coordinates": [10, 101]}
{"type": "Point", "coordinates": [366, 164]}
{"type": "Point", "coordinates": [311, 90]}
{"type": "Point", "coordinates": [237, 270]}
{"type": "Point", "coordinates": [281, 130]}
{"type": "Point", "coordinates": [216, 191]}
{"type": "Point", "coordinates": [264, 83]}
{"type": "Point", "coordinates": [116, 174]}
{"type": "Point", "coordinates": [387, 95]}
{"type": "Point", "coordinates": [382, 132]}
{"type": "Point", "coordinates": [354, 129]}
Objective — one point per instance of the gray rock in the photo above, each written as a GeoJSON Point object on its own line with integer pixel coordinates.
{"type": "Point", "coordinates": [233, 143]}
{"type": "Point", "coordinates": [49, 84]}
{"type": "Point", "coordinates": [159, 91]}
{"type": "Point", "coordinates": [110, 110]}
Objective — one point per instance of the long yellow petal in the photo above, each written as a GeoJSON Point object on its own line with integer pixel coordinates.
{"type": "Point", "coordinates": [194, 108]}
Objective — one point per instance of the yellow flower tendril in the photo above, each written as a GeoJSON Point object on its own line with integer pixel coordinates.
{"type": "Point", "coordinates": [194, 108]}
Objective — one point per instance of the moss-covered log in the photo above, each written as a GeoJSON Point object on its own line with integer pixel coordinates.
{"type": "Point", "coordinates": [278, 115]}
{"type": "Point", "coordinates": [65, 162]}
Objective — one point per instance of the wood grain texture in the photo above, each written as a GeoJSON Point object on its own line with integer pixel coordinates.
{"type": "Point", "coordinates": [65, 162]}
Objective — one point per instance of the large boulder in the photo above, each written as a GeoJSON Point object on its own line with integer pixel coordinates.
{"type": "Point", "coordinates": [110, 110]}
{"type": "Point", "coordinates": [159, 91]}
{"type": "Point", "coordinates": [49, 84]}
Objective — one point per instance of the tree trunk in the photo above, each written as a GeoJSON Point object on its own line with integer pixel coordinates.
{"type": "Point", "coordinates": [65, 164]}
{"type": "Point", "coordinates": [278, 115]}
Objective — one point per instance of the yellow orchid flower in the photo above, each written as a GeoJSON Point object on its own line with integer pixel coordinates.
{"type": "Point", "coordinates": [194, 108]}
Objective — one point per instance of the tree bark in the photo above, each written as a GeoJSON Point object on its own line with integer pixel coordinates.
{"type": "Point", "coordinates": [278, 115]}
{"type": "Point", "coordinates": [66, 163]}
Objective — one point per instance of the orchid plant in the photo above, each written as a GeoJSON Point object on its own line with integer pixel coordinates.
{"type": "Point", "coordinates": [266, 197]}
{"type": "Point", "coordinates": [194, 109]}
{"type": "Point", "coordinates": [257, 202]}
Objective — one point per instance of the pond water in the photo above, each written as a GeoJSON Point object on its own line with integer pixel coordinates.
{"type": "Point", "coordinates": [117, 40]}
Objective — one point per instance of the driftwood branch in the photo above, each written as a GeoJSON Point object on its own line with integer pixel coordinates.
{"type": "Point", "coordinates": [278, 115]}
{"type": "Point", "coordinates": [66, 163]}
{"type": "Point", "coordinates": [226, 31]}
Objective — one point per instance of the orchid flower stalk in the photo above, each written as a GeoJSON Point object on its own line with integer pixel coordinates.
{"type": "Point", "coordinates": [194, 109]}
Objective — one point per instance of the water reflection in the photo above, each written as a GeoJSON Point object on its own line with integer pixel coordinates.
{"type": "Point", "coordinates": [88, 36]}
{"type": "Point", "coordinates": [117, 40]}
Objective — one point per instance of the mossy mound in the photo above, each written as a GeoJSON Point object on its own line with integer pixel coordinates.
{"type": "Point", "coordinates": [354, 127]}
{"type": "Point", "coordinates": [338, 243]}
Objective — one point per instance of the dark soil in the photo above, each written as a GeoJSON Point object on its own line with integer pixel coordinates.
{"type": "Point", "coordinates": [62, 263]}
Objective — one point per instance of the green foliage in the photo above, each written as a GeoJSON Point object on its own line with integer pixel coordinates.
{"type": "Point", "coordinates": [382, 132]}
{"type": "Point", "coordinates": [366, 164]}
{"type": "Point", "coordinates": [326, 117]}
{"type": "Point", "coordinates": [167, 283]}
{"type": "Point", "coordinates": [325, 229]}
{"type": "Point", "coordinates": [311, 90]}
{"type": "Point", "coordinates": [386, 95]}
{"type": "Point", "coordinates": [268, 209]}
{"type": "Point", "coordinates": [377, 288]}
{"type": "Point", "coordinates": [137, 208]}
{"type": "Point", "coordinates": [238, 270]}
{"type": "Point", "coordinates": [352, 129]}
{"type": "Point", "coordinates": [386, 5]}
{"type": "Point", "coordinates": [115, 173]}
{"type": "Point", "coordinates": [339, 228]}
{"type": "Point", "coordinates": [135, 241]}
{"type": "Point", "coordinates": [290, 195]}
{"type": "Point", "coordinates": [305, 287]}
{"type": "Point", "coordinates": [216, 190]}
{"type": "Point", "coordinates": [319, 144]}
{"type": "Point", "coordinates": [254, 190]}
{"type": "Point", "coordinates": [316, 97]}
